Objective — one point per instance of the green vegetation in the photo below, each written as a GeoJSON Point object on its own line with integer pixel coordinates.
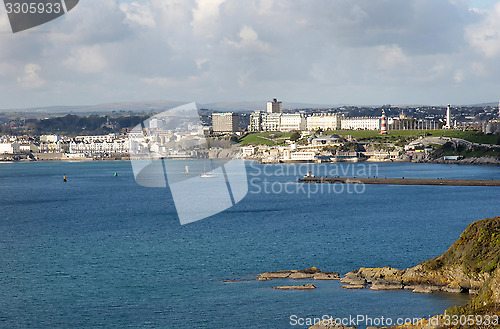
{"type": "Point", "coordinates": [450, 148]}
{"type": "Point", "coordinates": [350, 147]}
{"type": "Point", "coordinates": [73, 125]}
{"type": "Point", "coordinates": [295, 136]}
{"type": "Point", "coordinates": [398, 137]}
{"type": "Point", "coordinates": [485, 303]}
{"type": "Point", "coordinates": [477, 250]}
{"type": "Point", "coordinates": [474, 136]}
{"type": "Point", "coordinates": [265, 139]}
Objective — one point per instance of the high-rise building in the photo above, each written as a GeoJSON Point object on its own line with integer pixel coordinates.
{"type": "Point", "coordinates": [256, 119]}
{"type": "Point", "coordinates": [274, 106]}
{"type": "Point", "coordinates": [225, 122]}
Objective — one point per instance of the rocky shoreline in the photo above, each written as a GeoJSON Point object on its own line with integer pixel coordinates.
{"type": "Point", "coordinates": [468, 161]}
{"type": "Point", "coordinates": [417, 279]}
{"type": "Point", "coordinates": [471, 265]}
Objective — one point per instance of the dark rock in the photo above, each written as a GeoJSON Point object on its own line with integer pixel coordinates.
{"type": "Point", "coordinates": [308, 286]}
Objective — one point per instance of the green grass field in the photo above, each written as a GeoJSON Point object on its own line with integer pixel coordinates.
{"type": "Point", "coordinates": [474, 136]}
{"type": "Point", "coordinates": [470, 135]}
{"type": "Point", "coordinates": [265, 139]}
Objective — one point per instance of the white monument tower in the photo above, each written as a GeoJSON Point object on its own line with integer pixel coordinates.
{"type": "Point", "coordinates": [448, 117]}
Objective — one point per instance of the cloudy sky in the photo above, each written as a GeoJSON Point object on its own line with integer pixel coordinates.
{"type": "Point", "coordinates": [314, 51]}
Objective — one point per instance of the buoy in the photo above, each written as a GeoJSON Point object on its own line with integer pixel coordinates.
{"type": "Point", "coordinates": [64, 178]}
{"type": "Point", "coordinates": [116, 174]}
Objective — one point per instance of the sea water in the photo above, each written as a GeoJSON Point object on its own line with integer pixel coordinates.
{"type": "Point", "coordinates": [101, 251]}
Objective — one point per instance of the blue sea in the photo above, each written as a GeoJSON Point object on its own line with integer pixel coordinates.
{"type": "Point", "coordinates": [100, 251]}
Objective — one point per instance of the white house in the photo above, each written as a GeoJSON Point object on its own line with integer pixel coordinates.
{"type": "Point", "coordinates": [9, 148]}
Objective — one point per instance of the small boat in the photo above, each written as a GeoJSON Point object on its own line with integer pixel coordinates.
{"type": "Point", "coordinates": [210, 174]}
{"type": "Point", "coordinates": [309, 175]}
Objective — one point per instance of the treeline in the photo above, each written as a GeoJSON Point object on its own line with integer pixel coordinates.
{"type": "Point", "coordinates": [72, 125]}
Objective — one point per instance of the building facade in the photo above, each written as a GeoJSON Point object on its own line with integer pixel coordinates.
{"type": "Point", "coordinates": [271, 122]}
{"type": "Point", "coordinates": [9, 148]}
{"type": "Point", "coordinates": [365, 123]}
{"type": "Point", "coordinates": [96, 148]}
{"type": "Point", "coordinates": [256, 119]}
{"type": "Point", "coordinates": [324, 122]}
{"type": "Point", "coordinates": [274, 106]}
{"type": "Point", "coordinates": [292, 122]}
{"type": "Point", "coordinates": [225, 122]}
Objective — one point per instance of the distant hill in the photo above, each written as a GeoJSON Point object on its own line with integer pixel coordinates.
{"type": "Point", "coordinates": [143, 106]}
{"type": "Point", "coordinates": [158, 106]}
{"type": "Point", "coordinates": [162, 105]}
{"type": "Point", "coordinates": [261, 105]}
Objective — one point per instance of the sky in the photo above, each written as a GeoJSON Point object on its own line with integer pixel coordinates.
{"type": "Point", "coordinates": [360, 52]}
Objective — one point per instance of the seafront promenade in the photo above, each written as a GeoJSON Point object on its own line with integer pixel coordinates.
{"type": "Point", "coordinates": [399, 181]}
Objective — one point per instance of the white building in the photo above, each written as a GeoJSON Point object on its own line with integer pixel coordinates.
{"type": "Point", "coordinates": [97, 138]}
{"type": "Point", "coordinates": [248, 150]}
{"type": "Point", "coordinates": [29, 147]}
{"type": "Point", "coordinates": [288, 155]}
{"type": "Point", "coordinates": [50, 138]}
{"type": "Point", "coordinates": [50, 147]}
{"type": "Point", "coordinates": [9, 148]}
{"type": "Point", "coordinates": [271, 122]}
{"type": "Point", "coordinates": [364, 123]}
{"type": "Point", "coordinates": [324, 122]}
{"type": "Point", "coordinates": [292, 121]}
{"type": "Point", "coordinates": [274, 106]}
{"type": "Point", "coordinates": [256, 119]}
{"type": "Point", "coordinates": [120, 146]}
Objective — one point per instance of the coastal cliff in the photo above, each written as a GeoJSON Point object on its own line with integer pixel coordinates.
{"type": "Point", "coordinates": [470, 265]}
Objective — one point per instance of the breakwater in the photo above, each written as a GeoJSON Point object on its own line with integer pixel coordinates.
{"type": "Point", "coordinates": [400, 181]}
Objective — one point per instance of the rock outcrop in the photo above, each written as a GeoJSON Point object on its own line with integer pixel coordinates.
{"type": "Point", "coordinates": [465, 267]}
{"type": "Point", "coordinates": [309, 273]}
{"type": "Point", "coordinates": [470, 265]}
{"type": "Point", "coordinates": [308, 286]}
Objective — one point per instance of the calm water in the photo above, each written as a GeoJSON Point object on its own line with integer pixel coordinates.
{"type": "Point", "coordinates": [101, 251]}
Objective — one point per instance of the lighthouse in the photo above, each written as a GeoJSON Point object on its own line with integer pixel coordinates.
{"type": "Point", "coordinates": [383, 124]}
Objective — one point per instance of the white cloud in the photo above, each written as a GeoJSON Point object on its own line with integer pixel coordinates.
{"type": "Point", "coordinates": [138, 13]}
{"type": "Point", "coordinates": [214, 50]}
{"type": "Point", "coordinates": [249, 39]}
{"type": "Point", "coordinates": [87, 60]}
{"type": "Point", "coordinates": [30, 79]}
{"type": "Point", "coordinates": [391, 57]}
{"type": "Point", "coordinates": [206, 17]}
{"type": "Point", "coordinates": [478, 69]}
{"type": "Point", "coordinates": [485, 35]}
{"type": "Point", "coordinates": [459, 76]}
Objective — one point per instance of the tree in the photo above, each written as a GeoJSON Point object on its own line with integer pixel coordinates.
{"type": "Point", "coordinates": [295, 136]}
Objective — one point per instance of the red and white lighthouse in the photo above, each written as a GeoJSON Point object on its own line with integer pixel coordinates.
{"type": "Point", "coordinates": [383, 124]}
